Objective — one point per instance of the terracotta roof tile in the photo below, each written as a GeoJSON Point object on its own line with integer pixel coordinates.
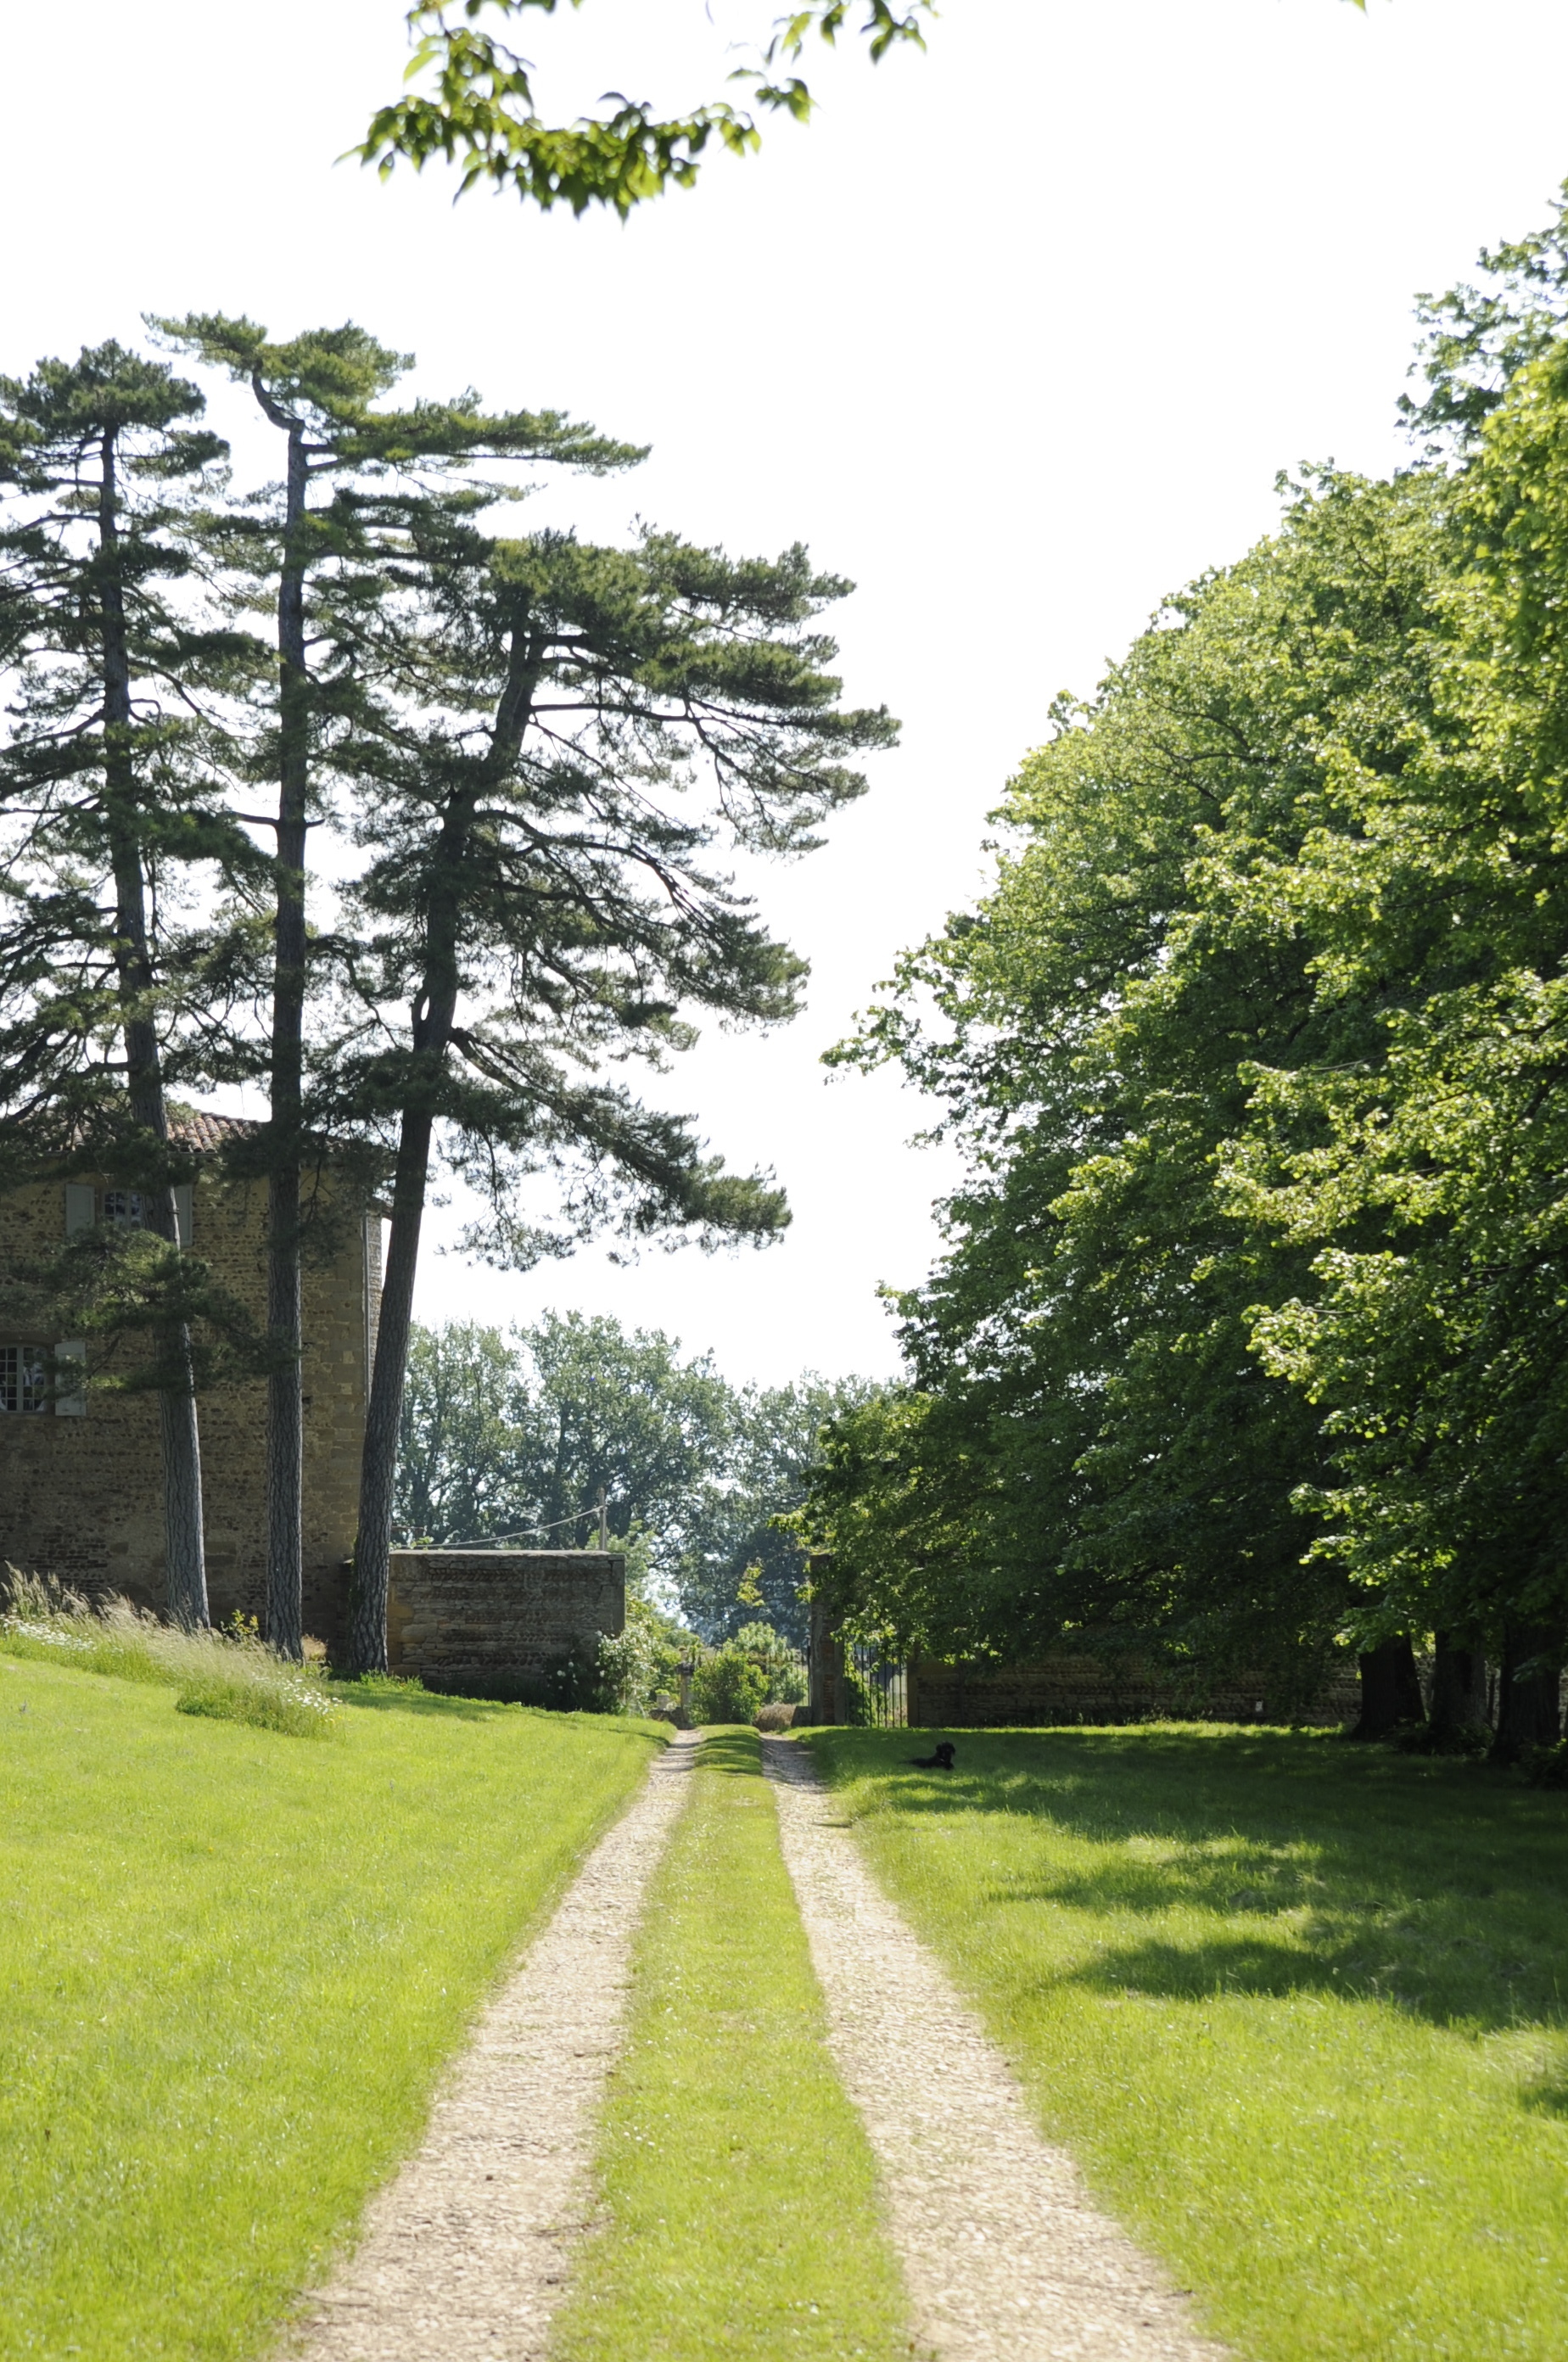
{"type": "Point", "coordinates": [200, 1129]}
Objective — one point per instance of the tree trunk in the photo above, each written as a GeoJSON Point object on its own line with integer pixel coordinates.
{"type": "Point", "coordinates": [433, 1017]}
{"type": "Point", "coordinates": [378, 1472]}
{"type": "Point", "coordinates": [285, 1406]}
{"type": "Point", "coordinates": [184, 1557]}
{"type": "Point", "coordinates": [1528, 1712]}
{"type": "Point", "coordinates": [1390, 1688]}
{"type": "Point", "coordinates": [1459, 1688]}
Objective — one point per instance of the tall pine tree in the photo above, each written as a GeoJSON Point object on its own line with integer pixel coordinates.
{"type": "Point", "coordinates": [107, 794]}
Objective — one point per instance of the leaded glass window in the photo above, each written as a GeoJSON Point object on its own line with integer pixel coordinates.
{"type": "Point", "coordinates": [23, 1380]}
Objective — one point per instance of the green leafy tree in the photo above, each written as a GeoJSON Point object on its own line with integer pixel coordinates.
{"type": "Point", "coordinates": [740, 1561]}
{"type": "Point", "coordinates": [522, 1436]}
{"type": "Point", "coordinates": [1089, 1452]}
{"type": "Point", "coordinates": [477, 108]}
{"type": "Point", "coordinates": [1427, 1176]}
{"type": "Point", "coordinates": [459, 1477]}
{"type": "Point", "coordinates": [1258, 1052]}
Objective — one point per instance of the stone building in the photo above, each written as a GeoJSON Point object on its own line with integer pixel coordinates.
{"type": "Point", "coordinates": [80, 1484]}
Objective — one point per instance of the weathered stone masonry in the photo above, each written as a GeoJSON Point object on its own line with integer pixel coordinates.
{"type": "Point", "coordinates": [81, 1497]}
{"type": "Point", "coordinates": [490, 1623]}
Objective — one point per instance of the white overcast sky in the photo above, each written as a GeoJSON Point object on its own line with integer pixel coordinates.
{"type": "Point", "coordinates": [1017, 335]}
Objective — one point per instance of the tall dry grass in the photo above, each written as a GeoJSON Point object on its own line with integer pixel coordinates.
{"type": "Point", "coordinates": [230, 1675]}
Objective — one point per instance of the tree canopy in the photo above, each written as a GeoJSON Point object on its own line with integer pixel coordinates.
{"type": "Point", "coordinates": [519, 1437]}
{"type": "Point", "coordinates": [1249, 1329]}
{"type": "Point", "coordinates": [537, 756]}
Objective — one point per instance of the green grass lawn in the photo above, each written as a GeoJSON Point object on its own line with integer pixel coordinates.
{"type": "Point", "coordinates": [231, 1965]}
{"type": "Point", "coordinates": [1296, 2005]}
{"type": "Point", "coordinates": [741, 2218]}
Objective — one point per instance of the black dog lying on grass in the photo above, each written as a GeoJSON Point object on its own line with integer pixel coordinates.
{"type": "Point", "coordinates": [941, 1761]}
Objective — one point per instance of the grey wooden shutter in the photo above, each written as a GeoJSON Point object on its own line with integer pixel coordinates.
{"type": "Point", "coordinates": [182, 1215]}
{"type": "Point", "coordinates": [80, 1207]}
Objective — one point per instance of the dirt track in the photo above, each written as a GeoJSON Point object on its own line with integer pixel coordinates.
{"type": "Point", "coordinates": [466, 2250]}
{"type": "Point", "coordinates": [1005, 2259]}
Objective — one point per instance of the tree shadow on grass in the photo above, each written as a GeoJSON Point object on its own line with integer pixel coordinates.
{"type": "Point", "coordinates": [1278, 1864]}
{"type": "Point", "coordinates": [737, 1753]}
{"type": "Point", "coordinates": [385, 1693]}
{"type": "Point", "coordinates": [403, 1697]}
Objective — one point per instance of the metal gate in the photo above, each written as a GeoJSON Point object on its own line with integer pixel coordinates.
{"type": "Point", "coordinates": [877, 1684]}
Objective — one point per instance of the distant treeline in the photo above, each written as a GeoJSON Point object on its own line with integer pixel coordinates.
{"type": "Point", "coordinates": [518, 1435]}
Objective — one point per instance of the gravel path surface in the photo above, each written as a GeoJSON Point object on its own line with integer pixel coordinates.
{"type": "Point", "coordinates": [465, 2251]}
{"type": "Point", "coordinates": [1005, 2259]}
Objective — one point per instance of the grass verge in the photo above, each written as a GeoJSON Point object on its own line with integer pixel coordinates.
{"type": "Point", "coordinates": [229, 1676]}
{"type": "Point", "coordinates": [230, 1969]}
{"type": "Point", "coordinates": [1296, 2005]}
{"type": "Point", "coordinates": [742, 2216]}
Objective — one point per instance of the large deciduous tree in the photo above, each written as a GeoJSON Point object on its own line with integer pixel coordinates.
{"type": "Point", "coordinates": [1259, 1050]}
{"type": "Point", "coordinates": [1430, 1177]}
{"type": "Point", "coordinates": [524, 1437]}
{"type": "Point", "coordinates": [1090, 1451]}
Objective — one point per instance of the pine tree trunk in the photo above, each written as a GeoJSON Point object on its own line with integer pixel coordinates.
{"type": "Point", "coordinates": [1390, 1688]}
{"type": "Point", "coordinates": [434, 1013]}
{"type": "Point", "coordinates": [285, 1423]}
{"type": "Point", "coordinates": [285, 1404]}
{"type": "Point", "coordinates": [184, 1556]}
{"type": "Point", "coordinates": [1459, 1688]}
{"type": "Point", "coordinates": [367, 1650]}
{"type": "Point", "coordinates": [1528, 1711]}
{"type": "Point", "coordinates": [183, 1502]}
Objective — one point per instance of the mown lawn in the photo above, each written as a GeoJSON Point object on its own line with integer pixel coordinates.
{"type": "Point", "coordinates": [1298, 2006]}
{"type": "Point", "coordinates": [231, 1965]}
{"type": "Point", "coordinates": [742, 2219]}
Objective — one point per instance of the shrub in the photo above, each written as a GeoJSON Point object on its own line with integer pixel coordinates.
{"type": "Point", "coordinates": [776, 1661]}
{"type": "Point", "coordinates": [727, 1686]}
{"type": "Point", "coordinates": [1546, 1767]}
{"type": "Point", "coordinates": [1423, 1738]}
{"type": "Point", "coordinates": [859, 1703]}
{"type": "Point", "coordinates": [637, 1665]}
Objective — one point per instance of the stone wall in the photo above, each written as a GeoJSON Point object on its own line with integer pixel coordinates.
{"type": "Point", "coordinates": [490, 1623]}
{"type": "Point", "coordinates": [81, 1498]}
{"type": "Point", "coordinates": [1066, 1689]}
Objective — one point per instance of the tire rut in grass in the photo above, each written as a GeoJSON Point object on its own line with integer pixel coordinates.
{"type": "Point", "coordinates": [466, 2251]}
{"type": "Point", "coordinates": [1005, 2259]}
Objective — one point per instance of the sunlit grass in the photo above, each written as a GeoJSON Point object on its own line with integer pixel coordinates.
{"type": "Point", "coordinates": [230, 1969]}
{"type": "Point", "coordinates": [1298, 2006]}
{"type": "Point", "coordinates": [229, 1676]}
{"type": "Point", "coordinates": [741, 2218]}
